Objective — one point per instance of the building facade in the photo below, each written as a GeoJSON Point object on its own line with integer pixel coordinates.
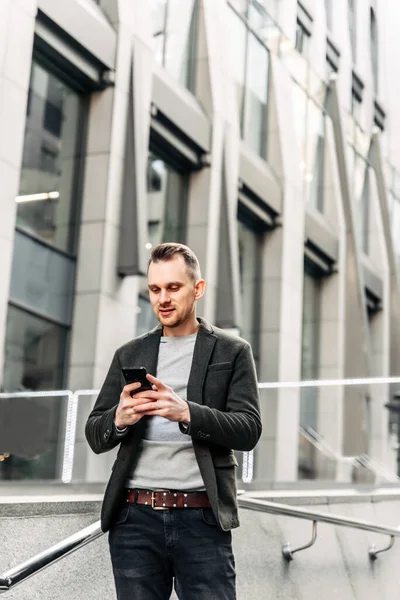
{"type": "Point", "coordinates": [262, 133]}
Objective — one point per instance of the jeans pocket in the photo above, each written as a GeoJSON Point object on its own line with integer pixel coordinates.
{"type": "Point", "coordinates": [122, 514]}
{"type": "Point", "coordinates": [208, 517]}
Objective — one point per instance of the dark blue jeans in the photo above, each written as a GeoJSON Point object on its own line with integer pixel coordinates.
{"type": "Point", "coordinates": [151, 549]}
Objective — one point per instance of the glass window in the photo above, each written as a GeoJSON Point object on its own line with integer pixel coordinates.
{"type": "Point", "coordinates": [309, 367]}
{"type": "Point", "coordinates": [174, 32]}
{"type": "Point", "coordinates": [302, 39]}
{"type": "Point", "coordinates": [42, 279]}
{"type": "Point", "coordinates": [34, 360]}
{"type": "Point", "coordinates": [315, 140]}
{"type": "Point", "coordinates": [328, 11]}
{"type": "Point", "coordinates": [237, 57]}
{"type": "Point", "coordinates": [250, 256]}
{"type": "Point", "coordinates": [159, 14]}
{"type": "Point", "coordinates": [34, 352]}
{"type": "Point", "coordinates": [355, 106]}
{"type": "Point", "coordinates": [374, 48]}
{"type": "Point", "coordinates": [46, 200]}
{"type": "Point", "coordinates": [396, 224]}
{"type": "Point", "coordinates": [167, 202]}
{"type": "Point", "coordinates": [352, 27]}
{"type": "Point", "coordinates": [255, 111]}
{"type": "Point", "coordinates": [361, 197]}
{"type": "Point", "coordinates": [248, 66]}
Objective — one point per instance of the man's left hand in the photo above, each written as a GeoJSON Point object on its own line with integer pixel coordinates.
{"type": "Point", "coordinates": [165, 403]}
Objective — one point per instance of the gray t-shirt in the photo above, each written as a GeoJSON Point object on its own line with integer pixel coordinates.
{"type": "Point", "coordinates": [167, 458]}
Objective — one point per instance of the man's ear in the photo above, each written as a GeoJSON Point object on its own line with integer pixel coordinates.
{"type": "Point", "coordinates": [199, 289]}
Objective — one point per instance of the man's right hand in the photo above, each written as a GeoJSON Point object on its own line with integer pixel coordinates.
{"type": "Point", "coordinates": [125, 414]}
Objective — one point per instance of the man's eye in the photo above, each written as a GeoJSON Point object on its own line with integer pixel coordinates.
{"type": "Point", "coordinates": [174, 288]}
{"type": "Point", "coordinates": [154, 291]}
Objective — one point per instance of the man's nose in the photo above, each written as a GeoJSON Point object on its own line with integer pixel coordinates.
{"type": "Point", "coordinates": [164, 297]}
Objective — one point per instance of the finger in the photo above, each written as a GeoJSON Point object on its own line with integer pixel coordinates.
{"type": "Point", "coordinates": [146, 407]}
{"type": "Point", "coordinates": [157, 382]}
{"type": "Point", "coordinates": [147, 395]}
{"type": "Point", "coordinates": [130, 387]}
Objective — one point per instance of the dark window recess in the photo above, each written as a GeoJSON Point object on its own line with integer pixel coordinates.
{"type": "Point", "coordinates": [372, 302]}
{"type": "Point", "coordinates": [53, 119]}
{"type": "Point", "coordinates": [379, 115]}
{"type": "Point", "coordinates": [302, 38]}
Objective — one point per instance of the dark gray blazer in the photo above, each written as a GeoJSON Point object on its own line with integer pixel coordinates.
{"type": "Point", "coordinates": [224, 410]}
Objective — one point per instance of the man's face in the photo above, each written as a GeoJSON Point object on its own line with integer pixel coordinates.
{"type": "Point", "coordinates": [172, 292]}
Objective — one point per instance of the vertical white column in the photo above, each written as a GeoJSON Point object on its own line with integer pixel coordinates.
{"type": "Point", "coordinates": [17, 22]}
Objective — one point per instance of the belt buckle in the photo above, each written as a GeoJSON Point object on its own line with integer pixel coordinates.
{"type": "Point", "coordinates": [153, 499]}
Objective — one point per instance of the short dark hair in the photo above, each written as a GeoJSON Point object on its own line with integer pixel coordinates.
{"type": "Point", "coordinates": [167, 251]}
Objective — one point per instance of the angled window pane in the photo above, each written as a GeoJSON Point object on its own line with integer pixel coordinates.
{"type": "Point", "coordinates": [352, 27]}
{"type": "Point", "coordinates": [309, 369]}
{"type": "Point", "coordinates": [236, 56]}
{"type": "Point", "coordinates": [395, 218]}
{"type": "Point", "coordinates": [374, 48]}
{"type": "Point", "coordinates": [250, 253]}
{"type": "Point", "coordinates": [51, 156]}
{"type": "Point", "coordinates": [315, 140]}
{"type": "Point", "coordinates": [255, 117]}
{"type": "Point", "coordinates": [174, 33]}
{"type": "Point", "coordinates": [34, 361]}
{"type": "Point", "coordinates": [167, 202]}
{"type": "Point", "coordinates": [159, 15]}
{"type": "Point", "coordinates": [42, 279]}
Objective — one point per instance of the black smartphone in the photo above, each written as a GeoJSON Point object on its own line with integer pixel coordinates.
{"type": "Point", "coordinates": [134, 374]}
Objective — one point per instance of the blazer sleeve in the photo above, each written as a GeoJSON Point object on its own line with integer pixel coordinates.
{"type": "Point", "coordinates": [239, 426]}
{"type": "Point", "coordinates": [100, 431]}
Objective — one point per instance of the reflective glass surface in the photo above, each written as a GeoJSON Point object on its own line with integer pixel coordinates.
{"type": "Point", "coordinates": [174, 32]}
{"type": "Point", "coordinates": [42, 279]}
{"type": "Point", "coordinates": [46, 200]}
{"type": "Point", "coordinates": [315, 141]}
{"type": "Point", "coordinates": [236, 57]}
{"type": "Point", "coordinates": [359, 169]}
{"type": "Point", "coordinates": [352, 27]}
{"type": "Point", "coordinates": [255, 113]}
{"type": "Point", "coordinates": [396, 225]}
{"type": "Point", "coordinates": [167, 202]}
{"type": "Point", "coordinates": [310, 122]}
{"type": "Point", "coordinates": [34, 361]}
{"type": "Point", "coordinates": [249, 68]}
{"type": "Point", "coordinates": [302, 39]}
{"type": "Point", "coordinates": [309, 368]}
{"type": "Point", "coordinates": [250, 253]}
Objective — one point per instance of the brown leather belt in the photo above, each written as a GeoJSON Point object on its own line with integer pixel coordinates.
{"type": "Point", "coordinates": [165, 499]}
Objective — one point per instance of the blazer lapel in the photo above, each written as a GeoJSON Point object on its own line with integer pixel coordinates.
{"type": "Point", "coordinates": [203, 348]}
{"type": "Point", "coordinates": [150, 349]}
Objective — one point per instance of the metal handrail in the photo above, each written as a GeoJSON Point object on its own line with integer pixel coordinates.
{"type": "Point", "coordinates": [362, 460]}
{"type": "Point", "coordinates": [37, 563]}
{"type": "Point", "coordinates": [276, 508]}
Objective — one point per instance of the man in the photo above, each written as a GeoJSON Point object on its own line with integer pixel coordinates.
{"type": "Point", "coordinates": [171, 499]}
